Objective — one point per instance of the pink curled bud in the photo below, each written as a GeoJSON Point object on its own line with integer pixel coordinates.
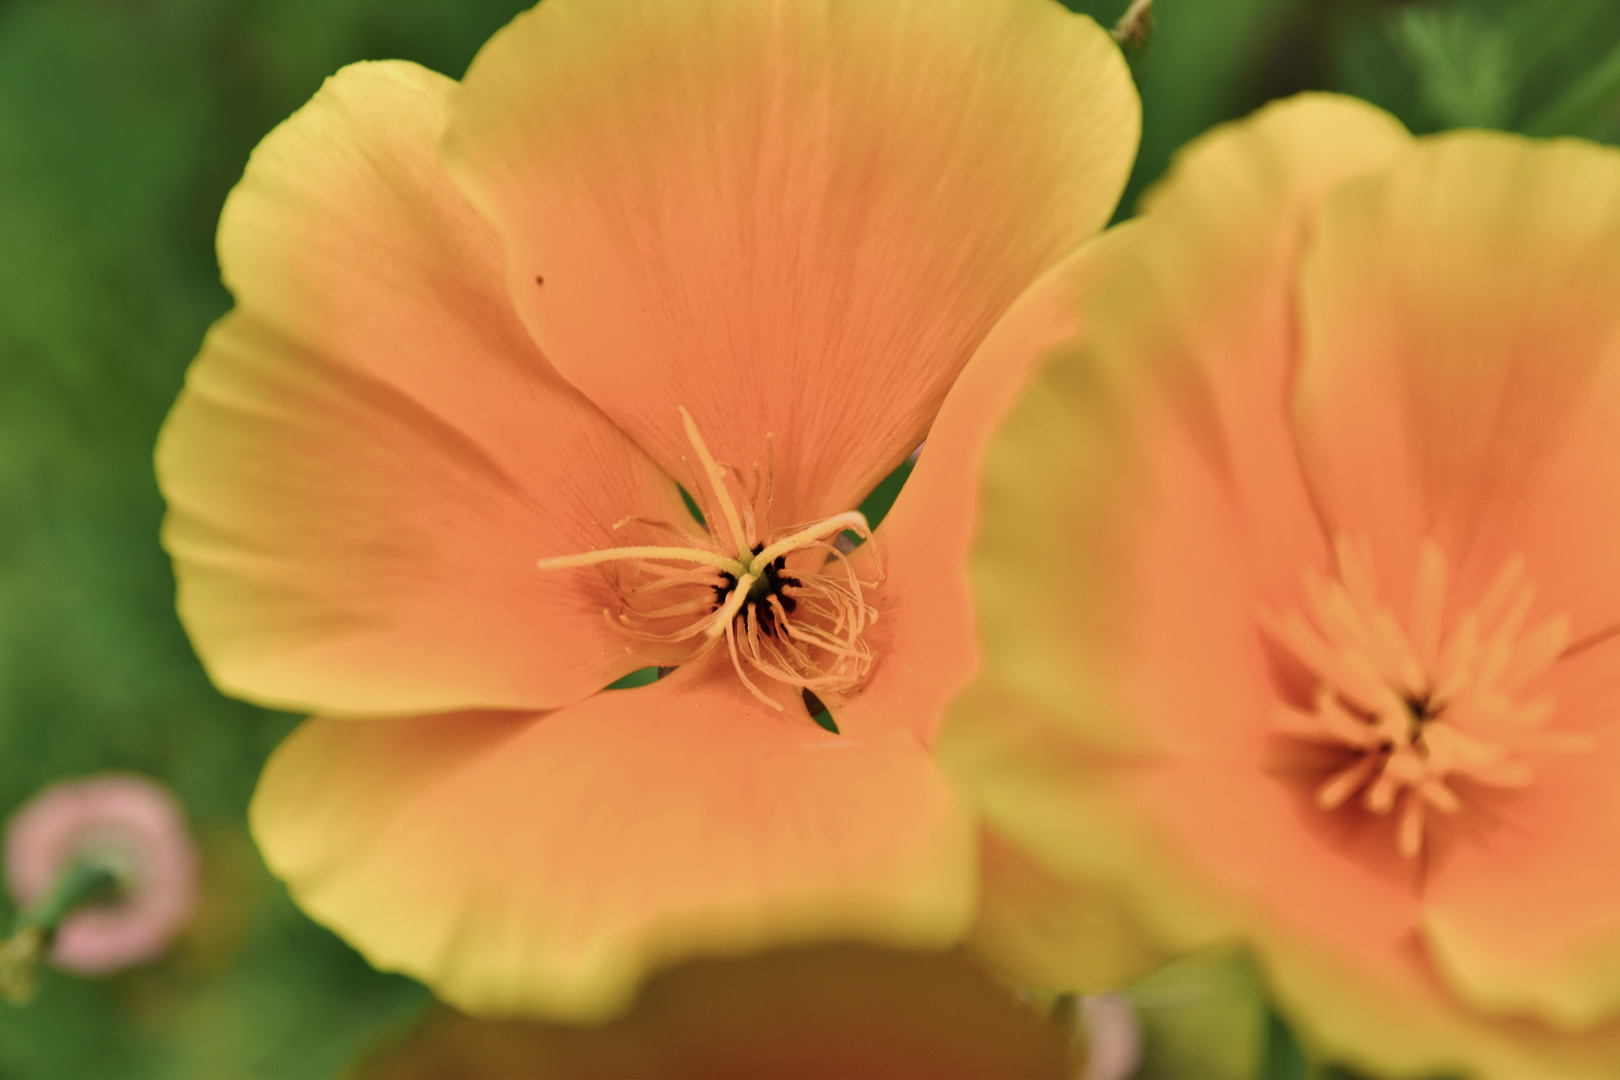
{"type": "Point", "coordinates": [127, 824]}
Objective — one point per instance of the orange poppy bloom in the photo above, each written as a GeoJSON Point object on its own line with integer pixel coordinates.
{"type": "Point", "coordinates": [1295, 583]}
{"type": "Point", "coordinates": [423, 480]}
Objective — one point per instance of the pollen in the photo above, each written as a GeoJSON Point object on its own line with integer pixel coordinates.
{"type": "Point", "coordinates": [1426, 706]}
{"type": "Point", "coordinates": [787, 604]}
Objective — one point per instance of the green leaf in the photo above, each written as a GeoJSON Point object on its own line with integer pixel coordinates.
{"type": "Point", "coordinates": [642, 677]}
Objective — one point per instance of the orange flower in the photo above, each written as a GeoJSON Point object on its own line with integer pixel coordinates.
{"type": "Point", "coordinates": [1299, 589]}
{"type": "Point", "coordinates": [744, 245]}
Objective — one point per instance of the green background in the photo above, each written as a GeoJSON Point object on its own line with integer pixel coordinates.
{"type": "Point", "coordinates": [123, 123]}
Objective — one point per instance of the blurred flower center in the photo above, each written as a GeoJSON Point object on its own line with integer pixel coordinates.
{"type": "Point", "coordinates": [787, 602]}
{"type": "Point", "coordinates": [1421, 705]}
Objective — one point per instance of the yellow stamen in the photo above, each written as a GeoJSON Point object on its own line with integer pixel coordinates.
{"type": "Point", "coordinates": [1414, 704]}
{"type": "Point", "coordinates": [802, 627]}
{"type": "Point", "coordinates": [717, 483]}
{"type": "Point", "coordinates": [1346, 782]}
{"type": "Point", "coordinates": [854, 520]}
{"type": "Point", "coordinates": [692, 555]}
{"type": "Point", "coordinates": [736, 663]}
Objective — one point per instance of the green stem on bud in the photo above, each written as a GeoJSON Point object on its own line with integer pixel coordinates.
{"type": "Point", "coordinates": [84, 882]}
{"type": "Point", "coordinates": [1134, 29]}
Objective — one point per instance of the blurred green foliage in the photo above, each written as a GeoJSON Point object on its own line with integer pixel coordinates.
{"type": "Point", "coordinates": [1202, 1016]}
{"type": "Point", "coordinates": [1208, 61]}
{"type": "Point", "coordinates": [1541, 67]}
{"type": "Point", "coordinates": [123, 123]}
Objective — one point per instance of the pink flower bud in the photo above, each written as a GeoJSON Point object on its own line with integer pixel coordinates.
{"type": "Point", "coordinates": [129, 824]}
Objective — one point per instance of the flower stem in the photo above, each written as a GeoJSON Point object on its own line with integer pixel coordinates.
{"type": "Point", "coordinates": [1135, 28]}
{"type": "Point", "coordinates": [85, 881]}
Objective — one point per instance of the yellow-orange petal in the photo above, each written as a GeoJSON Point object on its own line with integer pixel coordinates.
{"type": "Point", "coordinates": [1144, 499]}
{"type": "Point", "coordinates": [795, 219]}
{"type": "Point", "coordinates": [1203, 854]}
{"type": "Point", "coordinates": [1461, 370]}
{"type": "Point", "coordinates": [1211, 301]}
{"type": "Point", "coordinates": [1050, 925]}
{"type": "Point", "coordinates": [924, 637]}
{"type": "Point", "coordinates": [1049, 932]}
{"type": "Point", "coordinates": [370, 454]}
{"type": "Point", "coordinates": [1417, 1026]}
{"type": "Point", "coordinates": [1522, 904]}
{"type": "Point", "coordinates": [544, 863]}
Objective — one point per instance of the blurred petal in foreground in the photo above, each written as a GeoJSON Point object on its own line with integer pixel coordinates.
{"type": "Point", "coordinates": [841, 1011]}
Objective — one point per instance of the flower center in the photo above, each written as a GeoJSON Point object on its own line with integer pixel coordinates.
{"type": "Point", "coordinates": [1419, 706]}
{"type": "Point", "coordinates": [787, 603]}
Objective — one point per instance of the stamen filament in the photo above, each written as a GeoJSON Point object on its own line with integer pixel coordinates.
{"type": "Point", "coordinates": [736, 663]}
{"type": "Point", "coordinates": [717, 482]}
{"type": "Point", "coordinates": [1536, 652]}
{"type": "Point", "coordinates": [662, 526]}
{"type": "Point", "coordinates": [1346, 782]}
{"type": "Point", "coordinates": [853, 520]}
{"type": "Point", "coordinates": [680, 554]}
